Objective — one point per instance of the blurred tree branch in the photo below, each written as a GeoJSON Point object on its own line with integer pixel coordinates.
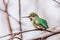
{"type": "Point", "coordinates": [14, 34]}
{"type": "Point", "coordinates": [56, 2]}
{"type": "Point", "coordinates": [8, 19]}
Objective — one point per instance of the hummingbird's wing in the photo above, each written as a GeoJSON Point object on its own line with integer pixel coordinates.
{"type": "Point", "coordinates": [42, 22]}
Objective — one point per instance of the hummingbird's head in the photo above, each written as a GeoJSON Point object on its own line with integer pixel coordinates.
{"type": "Point", "coordinates": [33, 16]}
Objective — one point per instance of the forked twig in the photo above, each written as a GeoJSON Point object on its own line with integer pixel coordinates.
{"type": "Point", "coordinates": [15, 37]}
{"type": "Point", "coordinates": [7, 16]}
{"type": "Point", "coordinates": [11, 16]}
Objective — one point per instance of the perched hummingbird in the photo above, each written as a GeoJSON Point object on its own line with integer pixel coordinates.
{"type": "Point", "coordinates": [37, 21]}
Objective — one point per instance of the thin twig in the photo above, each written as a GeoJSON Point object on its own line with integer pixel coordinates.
{"type": "Point", "coordinates": [4, 3]}
{"type": "Point", "coordinates": [20, 28]}
{"type": "Point", "coordinates": [56, 2]}
{"type": "Point", "coordinates": [2, 10]}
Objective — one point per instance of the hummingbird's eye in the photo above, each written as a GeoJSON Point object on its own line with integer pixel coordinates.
{"type": "Point", "coordinates": [31, 19]}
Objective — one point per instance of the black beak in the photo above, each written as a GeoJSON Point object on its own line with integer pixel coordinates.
{"type": "Point", "coordinates": [25, 17]}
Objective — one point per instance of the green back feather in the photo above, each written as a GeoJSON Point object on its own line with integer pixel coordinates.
{"type": "Point", "coordinates": [42, 22]}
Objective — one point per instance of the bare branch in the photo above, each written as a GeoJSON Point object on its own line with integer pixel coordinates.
{"type": "Point", "coordinates": [25, 32]}
{"type": "Point", "coordinates": [20, 28]}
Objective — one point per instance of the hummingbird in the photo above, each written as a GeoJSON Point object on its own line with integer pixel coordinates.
{"type": "Point", "coordinates": [37, 22]}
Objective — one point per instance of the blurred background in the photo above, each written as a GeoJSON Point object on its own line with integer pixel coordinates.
{"type": "Point", "coordinates": [46, 9]}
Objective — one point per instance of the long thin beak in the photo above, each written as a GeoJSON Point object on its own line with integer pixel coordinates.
{"type": "Point", "coordinates": [25, 17]}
